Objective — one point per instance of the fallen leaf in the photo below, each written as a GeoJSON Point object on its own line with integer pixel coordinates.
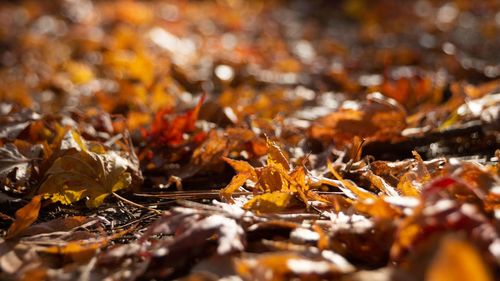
{"type": "Point", "coordinates": [25, 217]}
{"type": "Point", "coordinates": [13, 164]}
{"type": "Point", "coordinates": [378, 118]}
{"type": "Point", "coordinates": [81, 173]}
{"type": "Point", "coordinates": [171, 133]}
{"type": "Point", "coordinates": [288, 265]}
{"type": "Point", "coordinates": [57, 225]}
{"type": "Point", "coordinates": [192, 236]}
{"type": "Point", "coordinates": [457, 260]}
{"type": "Point", "coordinates": [271, 202]}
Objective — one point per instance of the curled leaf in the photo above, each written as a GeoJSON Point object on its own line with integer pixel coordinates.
{"type": "Point", "coordinates": [14, 167]}
{"type": "Point", "coordinates": [378, 118]}
{"type": "Point", "coordinates": [25, 217]}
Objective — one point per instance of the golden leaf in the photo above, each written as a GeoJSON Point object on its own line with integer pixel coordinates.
{"type": "Point", "coordinates": [81, 173]}
{"type": "Point", "coordinates": [271, 202]}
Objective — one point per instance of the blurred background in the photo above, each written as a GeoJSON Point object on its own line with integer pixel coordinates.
{"type": "Point", "coordinates": [132, 56]}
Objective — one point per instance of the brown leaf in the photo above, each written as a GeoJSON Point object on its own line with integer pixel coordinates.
{"type": "Point", "coordinates": [378, 118]}
{"type": "Point", "coordinates": [60, 224]}
{"type": "Point", "coordinates": [288, 265]}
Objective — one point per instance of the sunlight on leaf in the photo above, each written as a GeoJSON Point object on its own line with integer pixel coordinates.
{"type": "Point", "coordinates": [25, 217]}
{"type": "Point", "coordinates": [80, 173]}
{"type": "Point", "coordinates": [271, 202]}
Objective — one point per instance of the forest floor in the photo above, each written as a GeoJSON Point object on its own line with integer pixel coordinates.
{"type": "Point", "coordinates": [250, 140]}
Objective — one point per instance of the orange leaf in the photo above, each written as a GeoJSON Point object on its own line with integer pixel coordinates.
{"type": "Point", "coordinates": [241, 167]}
{"type": "Point", "coordinates": [235, 183]}
{"type": "Point", "coordinates": [82, 250]}
{"type": "Point", "coordinates": [277, 155]}
{"type": "Point", "coordinates": [356, 190]}
{"type": "Point", "coordinates": [165, 132]}
{"type": "Point", "coordinates": [379, 118]}
{"type": "Point", "coordinates": [458, 260]}
{"type": "Point", "coordinates": [25, 217]}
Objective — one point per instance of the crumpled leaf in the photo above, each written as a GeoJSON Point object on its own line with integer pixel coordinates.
{"type": "Point", "coordinates": [379, 118]}
{"type": "Point", "coordinates": [171, 132]}
{"type": "Point", "coordinates": [436, 215]}
{"type": "Point", "coordinates": [13, 123]}
{"type": "Point", "coordinates": [13, 164]}
{"type": "Point", "coordinates": [81, 173]}
{"type": "Point", "coordinates": [275, 178]}
{"type": "Point", "coordinates": [192, 235]}
{"type": "Point", "coordinates": [25, 217]}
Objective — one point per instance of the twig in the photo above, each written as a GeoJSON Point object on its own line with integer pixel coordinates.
{"type": "Point", "coordinates": [208, 194]}
{"type": "Point", "coordinates": [125, 200]}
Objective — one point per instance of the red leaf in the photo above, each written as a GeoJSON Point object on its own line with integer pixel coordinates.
{"type": "Point", "coordinates": [170, 133]}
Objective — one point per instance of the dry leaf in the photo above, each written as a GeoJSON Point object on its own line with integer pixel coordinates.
{"type": "Point", "coordinates": [81, 173]}
{"type": "Point", "coordinates": [271, 202]}
{"type": "Point", "coordinates": [457, 260]}
{"type": "Point", "coordinates": [25, 217]}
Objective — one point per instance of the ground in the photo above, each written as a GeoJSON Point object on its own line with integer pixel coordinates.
{"type": "Point", "coordinates": [249, 140]}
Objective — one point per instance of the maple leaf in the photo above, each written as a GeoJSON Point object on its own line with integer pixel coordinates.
{"type": "Point", "coordinates": [276, 179]}
{"type": "Point", "coordinates": [165, 132]}
{"type": "Point", "coordinates": [81, 173]}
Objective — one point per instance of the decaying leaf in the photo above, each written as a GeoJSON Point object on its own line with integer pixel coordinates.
{"type": "Point", "coordinates": [190, 241]}
{"type": "Point", "coordinates": [14, 167]}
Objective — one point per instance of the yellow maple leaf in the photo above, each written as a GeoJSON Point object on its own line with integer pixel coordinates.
{"type": "Point", "coordinates": [83, 173]}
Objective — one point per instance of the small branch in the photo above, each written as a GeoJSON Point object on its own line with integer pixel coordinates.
{"type": "Point", "coordinates": [125, 200]}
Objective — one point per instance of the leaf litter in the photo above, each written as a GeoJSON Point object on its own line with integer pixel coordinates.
{"type": "Point", "coordinates": [249, 140]}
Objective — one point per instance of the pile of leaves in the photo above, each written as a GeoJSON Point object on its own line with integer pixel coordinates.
{"type": "Point", "coordinates": [249, 140]}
